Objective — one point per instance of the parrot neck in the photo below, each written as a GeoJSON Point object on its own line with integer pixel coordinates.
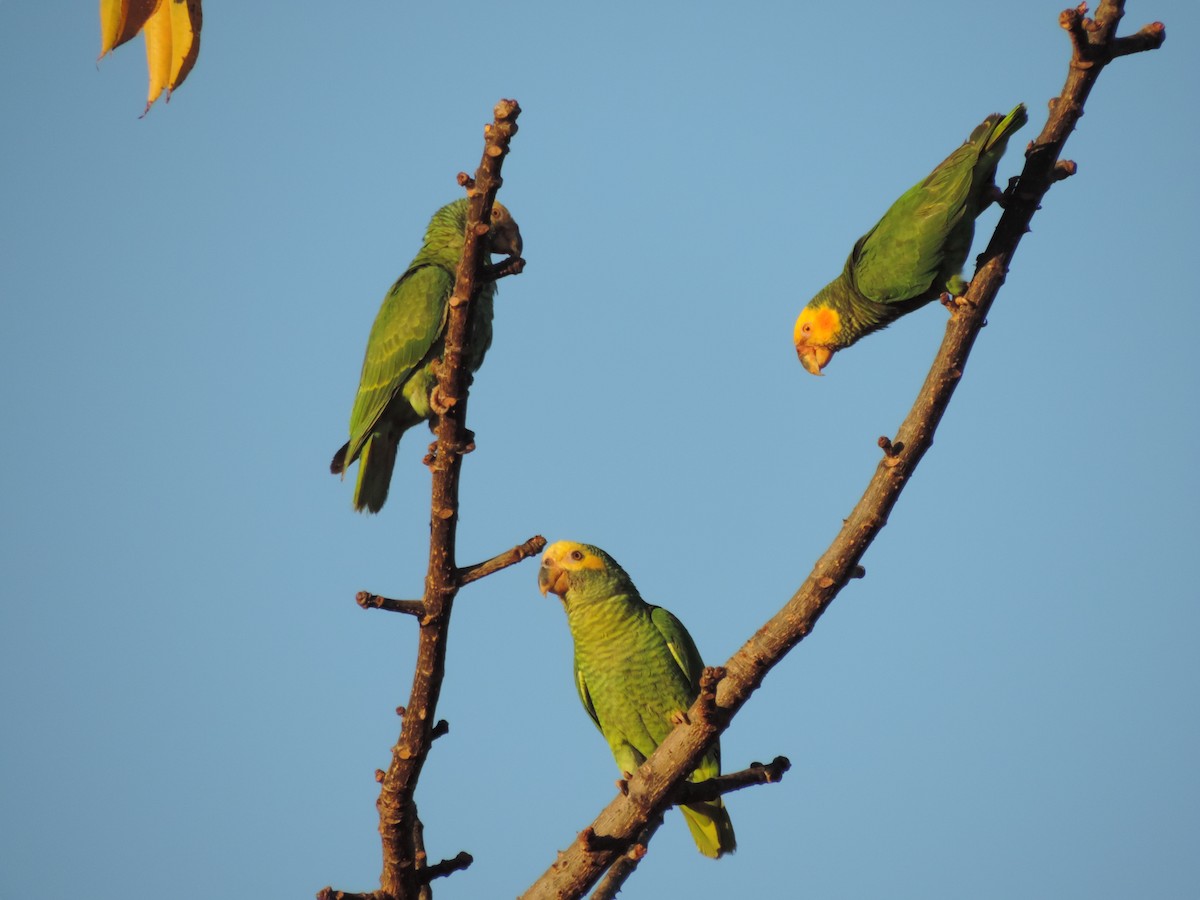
{"type": "Point", "coordinates": [594, 620]}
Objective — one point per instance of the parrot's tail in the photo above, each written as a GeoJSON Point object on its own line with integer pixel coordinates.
{"type": "Point", "coordinates": [711, 828]}
{"type": "Point", "coordinates": [338, 464]}
{"type": "Point", "coordinates": [375, 465]}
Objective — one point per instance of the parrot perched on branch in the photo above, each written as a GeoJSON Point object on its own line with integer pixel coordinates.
{"type": "Point", "coordinates": [405, 344]}
{"type": "Point", "coordinates": [636, 669]}
{"type": "Point", "coordinates": [914, 254]}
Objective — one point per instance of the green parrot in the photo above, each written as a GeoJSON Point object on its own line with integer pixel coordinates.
{"type": "Point", "coordinates": [915, 253]}
{"type": "Point", "coordinates": [636, 669]}
{"type": "Point", "coordinates": [405, 344]}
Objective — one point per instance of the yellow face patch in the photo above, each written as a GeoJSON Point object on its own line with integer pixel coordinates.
{"type": "Point", "coordinates": [816, 326]}
{"type": "Point", "coordinates": [571, 556]}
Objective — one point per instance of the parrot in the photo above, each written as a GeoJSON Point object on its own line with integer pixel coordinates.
{"type": "Point", "coordinates": [914, 253]}
{"type": "Point", "coordinates": [637, 671]}
{"type": "Point", "coordinates": [406, 341]}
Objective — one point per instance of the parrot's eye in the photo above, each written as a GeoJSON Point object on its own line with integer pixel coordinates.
{"type": "Point", "coordinates": [577, 555]}
{"type": "Point", "coordinates": [806, 329]}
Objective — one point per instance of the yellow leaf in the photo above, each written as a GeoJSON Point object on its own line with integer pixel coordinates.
{"type": "Point", "coordinates": [112, 20]}
{"type": "Point", "coordinates": [186, 19]}
{"type": "Point", "coordinates": [158, 50]}
{"type": "Point", "coordinates": [121, 20]}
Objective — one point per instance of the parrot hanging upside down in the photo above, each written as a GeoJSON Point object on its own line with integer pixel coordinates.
{"type": "Point", "coordinates": [406, 342]}
{"type": "Point", "coordinates": [636, 669]}
{"type": "Point", "coordinates": [915, 252]}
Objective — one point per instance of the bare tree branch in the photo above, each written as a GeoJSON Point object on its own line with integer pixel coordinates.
{"type": "Point", "coordinates": [406, 873]}
{"type": "Point", "coordinates": [402, 876]}
{"type": "Point", "coordinates": [653, 786]}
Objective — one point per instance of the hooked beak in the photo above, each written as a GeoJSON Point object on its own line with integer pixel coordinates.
{"type": "Point", "coordinates": [553, 579]}
{"type": "Point", "coordinates": [814, 359]}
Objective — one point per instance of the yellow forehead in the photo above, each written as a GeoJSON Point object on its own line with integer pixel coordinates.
{"type": "Point", "coordinates": [817, 325]}
{"type": "Point", "coordinates": [570, 555]}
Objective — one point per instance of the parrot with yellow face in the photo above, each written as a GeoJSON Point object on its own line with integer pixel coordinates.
{"type": "Point", "coordinates": [637, 671]}
{"type": "Point", "coordinates": [914, 254]}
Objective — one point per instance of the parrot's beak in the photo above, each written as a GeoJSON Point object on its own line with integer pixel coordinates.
{"type": "Point", "coordinates": [553, 579]}
{"type": "Point", "coordinates": [813, 358]}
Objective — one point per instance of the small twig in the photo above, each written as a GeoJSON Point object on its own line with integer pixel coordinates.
{"type": "Point", "coordinates": [618, 873]}
{"type": "Point", "coordinates": [514, 265]}
{"type": "Point", "coordinates": [441, 729]}
{"type": "Point", "coordinates": [712, 788]}
{"type": "Point", "coordinates": [446, 867]}
{"type": "Point", "coordinates": [367, 600]}
{"type": "Point", "coordinates": [531, 547]}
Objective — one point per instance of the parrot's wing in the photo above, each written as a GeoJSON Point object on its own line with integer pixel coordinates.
{"type": "Point", "coordinates": [901, 256]}
{"type": "Point", "coordinates": [680, 643]}
{"type": "Point", "coordinates": [410, 321]}
{"type": "Point", "coordinates": [585, 697]}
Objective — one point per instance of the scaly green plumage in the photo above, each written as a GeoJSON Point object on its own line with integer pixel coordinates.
{"type": "Point", "coordinates": [636, 669]}
{"type": "Point", "coordinates": [405, 343]}
{"type": "Point", "coordinates": [914, 253]}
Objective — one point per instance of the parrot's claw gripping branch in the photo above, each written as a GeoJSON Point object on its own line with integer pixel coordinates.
{"type": "Point", "coordinates": [574, 872]}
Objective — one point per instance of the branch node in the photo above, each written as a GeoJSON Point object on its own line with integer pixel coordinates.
{"type": "Point", "coordinates": [379, 776]}
{"type": "Point", "coordinates": [400, 711]}
{"type": "Point", "coordinates": [858, 572]}
{"type": "Point", "coordinates": [441, 729]}
{"type": "Point", "coordinates": [466, 181]}
{"type": "Point", "coordinates": [1064, 168]}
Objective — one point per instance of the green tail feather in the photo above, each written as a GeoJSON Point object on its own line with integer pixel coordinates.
{"type": "Point", "coordinates": [375, 465]}
{"type": "Point", "coordinates": [711, 828]}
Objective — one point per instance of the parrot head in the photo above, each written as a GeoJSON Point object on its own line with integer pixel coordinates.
{"type": "Point", "coordinates": [568, 566]}
{"type": "Point", "coordinates": [818, 328]}
{"type": "Point", "coordinates": [505, 235]}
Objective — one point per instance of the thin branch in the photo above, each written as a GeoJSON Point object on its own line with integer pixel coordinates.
{"type": "Point", "coordinates": [368, 600]}
{"type": "Point", "coordinates": [651, 788]}
{"type": "Point", "coordinates": [531, 547]}
{"type": "Point", "coordinates": [712, 788]}
{"type": "Point", "coordinates": [404, 863]}
{"type": "Point", "coordinates": [447, 867]}
{"type": "Point", "coordinates": [619, 872]}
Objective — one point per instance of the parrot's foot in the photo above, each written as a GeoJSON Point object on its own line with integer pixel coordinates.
{"type": "Point", "coordinates": [439, 402]}
{"type": "Point", "coordinates": [462, 448]}
{"type": "Point", "coordinates": [954, 302]}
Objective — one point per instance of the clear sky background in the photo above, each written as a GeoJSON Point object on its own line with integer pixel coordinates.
{"type": "Point", "coordinates": [192, 704]}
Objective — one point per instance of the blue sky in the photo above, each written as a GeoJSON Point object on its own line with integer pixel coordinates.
{"type": "Point", "coordinates": [1005, 706]}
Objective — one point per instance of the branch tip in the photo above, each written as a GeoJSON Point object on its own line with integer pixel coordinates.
{"type": "Point", "coordinates": [446, 867]}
